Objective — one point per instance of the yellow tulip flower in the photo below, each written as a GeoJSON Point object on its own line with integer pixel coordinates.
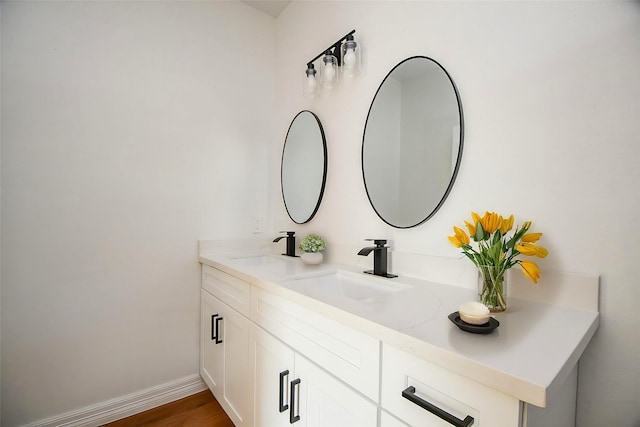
{"type": "Point", "coordinates": [531, 270]}
{"type": "Point", "coordinates": [454, 241]}
{"type": "Point", "coordinates": [496, 221]}
{"type": "Point", "coordinates": [526, 249]}
{"type": "Point", "coordinates": [531, 237]}
{"type": "Point", "coordinates": [486, 218]}
{"type": "Point", "coordinates": [507, 224]}
{"type": "Point", "coordinates": [542, 252]}
{"type": "Point", "coordinates": [529, 249]}
{"type": "Point", "coordinates": [476, 218]}
{"type": "Point", "coordinates": [486, 222]}
{"type": "Point", "coordinates": [462, 236]}
{"type": "Point", "coordinates": [471, 228]}
{"type": "Point", "coordinates": [459, 238]}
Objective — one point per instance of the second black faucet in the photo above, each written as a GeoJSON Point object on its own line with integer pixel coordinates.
{"type": "Point", "coordinates": [379, 258]}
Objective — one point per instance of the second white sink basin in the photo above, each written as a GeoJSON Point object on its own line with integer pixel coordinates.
{"type": "Point", "coordinates": [355, 286]}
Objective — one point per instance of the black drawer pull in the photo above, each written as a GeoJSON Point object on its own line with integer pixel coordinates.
{"type": "Point", "coordinates": [283, 406]}
{"type": "Point", "coordinates": [294, 418]}
{"type": "Point", "coordinates": [213, 326]}
{"type": "Point", "coordinates": [410, 394]}
{"type": "Point", "coordinates": [217, 337]}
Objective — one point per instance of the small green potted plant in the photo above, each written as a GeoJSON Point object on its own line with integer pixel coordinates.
{"type": "Point", "coordinates": [312, 246]}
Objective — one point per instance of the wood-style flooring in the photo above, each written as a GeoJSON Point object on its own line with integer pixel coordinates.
{"type": "Point", "coordinates": [200, 409]}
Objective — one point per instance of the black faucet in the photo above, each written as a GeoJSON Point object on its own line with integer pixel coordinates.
{"type": "Point", "coordinates": [379, 258]}
{"type": "Point", "coordinates": [291, 242]}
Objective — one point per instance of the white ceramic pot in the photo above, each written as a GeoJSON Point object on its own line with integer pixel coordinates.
{"type": "Point", "coordinates": [311, 257]}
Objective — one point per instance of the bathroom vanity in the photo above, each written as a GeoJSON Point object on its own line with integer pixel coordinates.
{"type": "Point", "coordinates": [287, 343]}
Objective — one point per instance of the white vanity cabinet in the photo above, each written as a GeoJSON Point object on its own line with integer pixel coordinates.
{"type": "Point", "coordinates": [290, 389]}
{"type": "Point", "coordinates": [274, 357]}
{"type": "Point", "coordinates": [224, 358]}
{"type": "Point", "coordinates": [423, 394]}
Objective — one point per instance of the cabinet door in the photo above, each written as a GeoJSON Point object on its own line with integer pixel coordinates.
{"type": "Point", "coordinates": [211, 351]}
{"type": "Point", "coordinates": [237, 382]}
{"type": "Point", "coordinates": [272, 372]}
{"type": "Point", "coordinates": [289, 389]}
{"type": "Point", "coordinates": [320, 400]}
{"type": "Point", "coordinates": [224, 358]}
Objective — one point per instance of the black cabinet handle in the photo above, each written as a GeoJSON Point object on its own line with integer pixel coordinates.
{"type": "Point", "coordinates": [283, 406]}
{"type": "Point", "coordinates": [295, 384]}
{"type": "Point", "coordinates": [410, 394]}
{"type": "Point", "coordinates": [213, 326]}
{"type": "Point", "coordinates": [217, 325]}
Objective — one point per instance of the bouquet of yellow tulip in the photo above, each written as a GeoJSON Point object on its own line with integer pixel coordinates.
{"type": "Point", "coordinates": [496, 252]}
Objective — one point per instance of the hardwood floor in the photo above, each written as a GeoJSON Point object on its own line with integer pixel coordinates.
{"type": "Point", "coordinates": [200, 409]}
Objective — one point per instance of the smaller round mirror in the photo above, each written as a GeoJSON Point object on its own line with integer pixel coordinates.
{"type": "Point", "coordinates": [304, 167]}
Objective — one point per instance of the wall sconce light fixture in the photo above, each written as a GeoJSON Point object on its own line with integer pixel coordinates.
{"type": "Point", "coordinates": [342, 57]}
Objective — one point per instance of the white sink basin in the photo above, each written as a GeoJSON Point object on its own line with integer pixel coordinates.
{"type": "Point", "coordinates": [354, 286]}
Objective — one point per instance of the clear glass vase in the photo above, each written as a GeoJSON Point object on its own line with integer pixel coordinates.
{"type": "Point", "coordinates": [492, 287]}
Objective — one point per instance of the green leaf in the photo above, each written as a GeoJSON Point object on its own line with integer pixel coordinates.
{"type": "Point", "coordinates": [512, 242]}
{"type": "Point", "coordinates": [496, 237]}
{"type": "Point", "coordinates": [480, 233]}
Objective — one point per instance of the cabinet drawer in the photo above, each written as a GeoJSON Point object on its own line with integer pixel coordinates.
{"type": "Point", "coordinates": [455, 395]}
{"type": "Point", "coordinates": [348, 354]}
{"type": "Point", "coordinates": [234, 292]}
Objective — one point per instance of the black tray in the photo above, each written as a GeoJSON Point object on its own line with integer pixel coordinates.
{"type": "Point", "coordinates": [487, 328]}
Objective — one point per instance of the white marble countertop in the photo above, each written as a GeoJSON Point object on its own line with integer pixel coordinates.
{"type": "Point", "coordinates": [528, 356]}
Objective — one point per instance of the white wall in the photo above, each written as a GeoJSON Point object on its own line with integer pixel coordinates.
{"type": "Point", "coordinates": [551, 100]}
{"type": "Point", "coordinates": [130, 130]}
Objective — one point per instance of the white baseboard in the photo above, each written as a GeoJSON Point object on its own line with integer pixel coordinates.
{"type": "Point", "coordinates": [125, 406]}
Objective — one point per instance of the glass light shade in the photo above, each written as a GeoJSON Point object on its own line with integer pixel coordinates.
{"type": "Point", "coordinates": [329, 71]}
{"type": "Point", "coordinates": [350, 52]}
{"type": "Point", "coordinates": [310, 84]}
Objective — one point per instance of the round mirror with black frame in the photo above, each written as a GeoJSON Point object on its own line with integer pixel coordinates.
{"type": "Point", "coordinates": [304, 167]}
{"type": "Point", "coordinates": [412, 142]}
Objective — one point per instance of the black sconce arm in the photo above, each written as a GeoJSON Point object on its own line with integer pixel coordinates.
{"type": "Point", "coordinates": [334, 50]}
